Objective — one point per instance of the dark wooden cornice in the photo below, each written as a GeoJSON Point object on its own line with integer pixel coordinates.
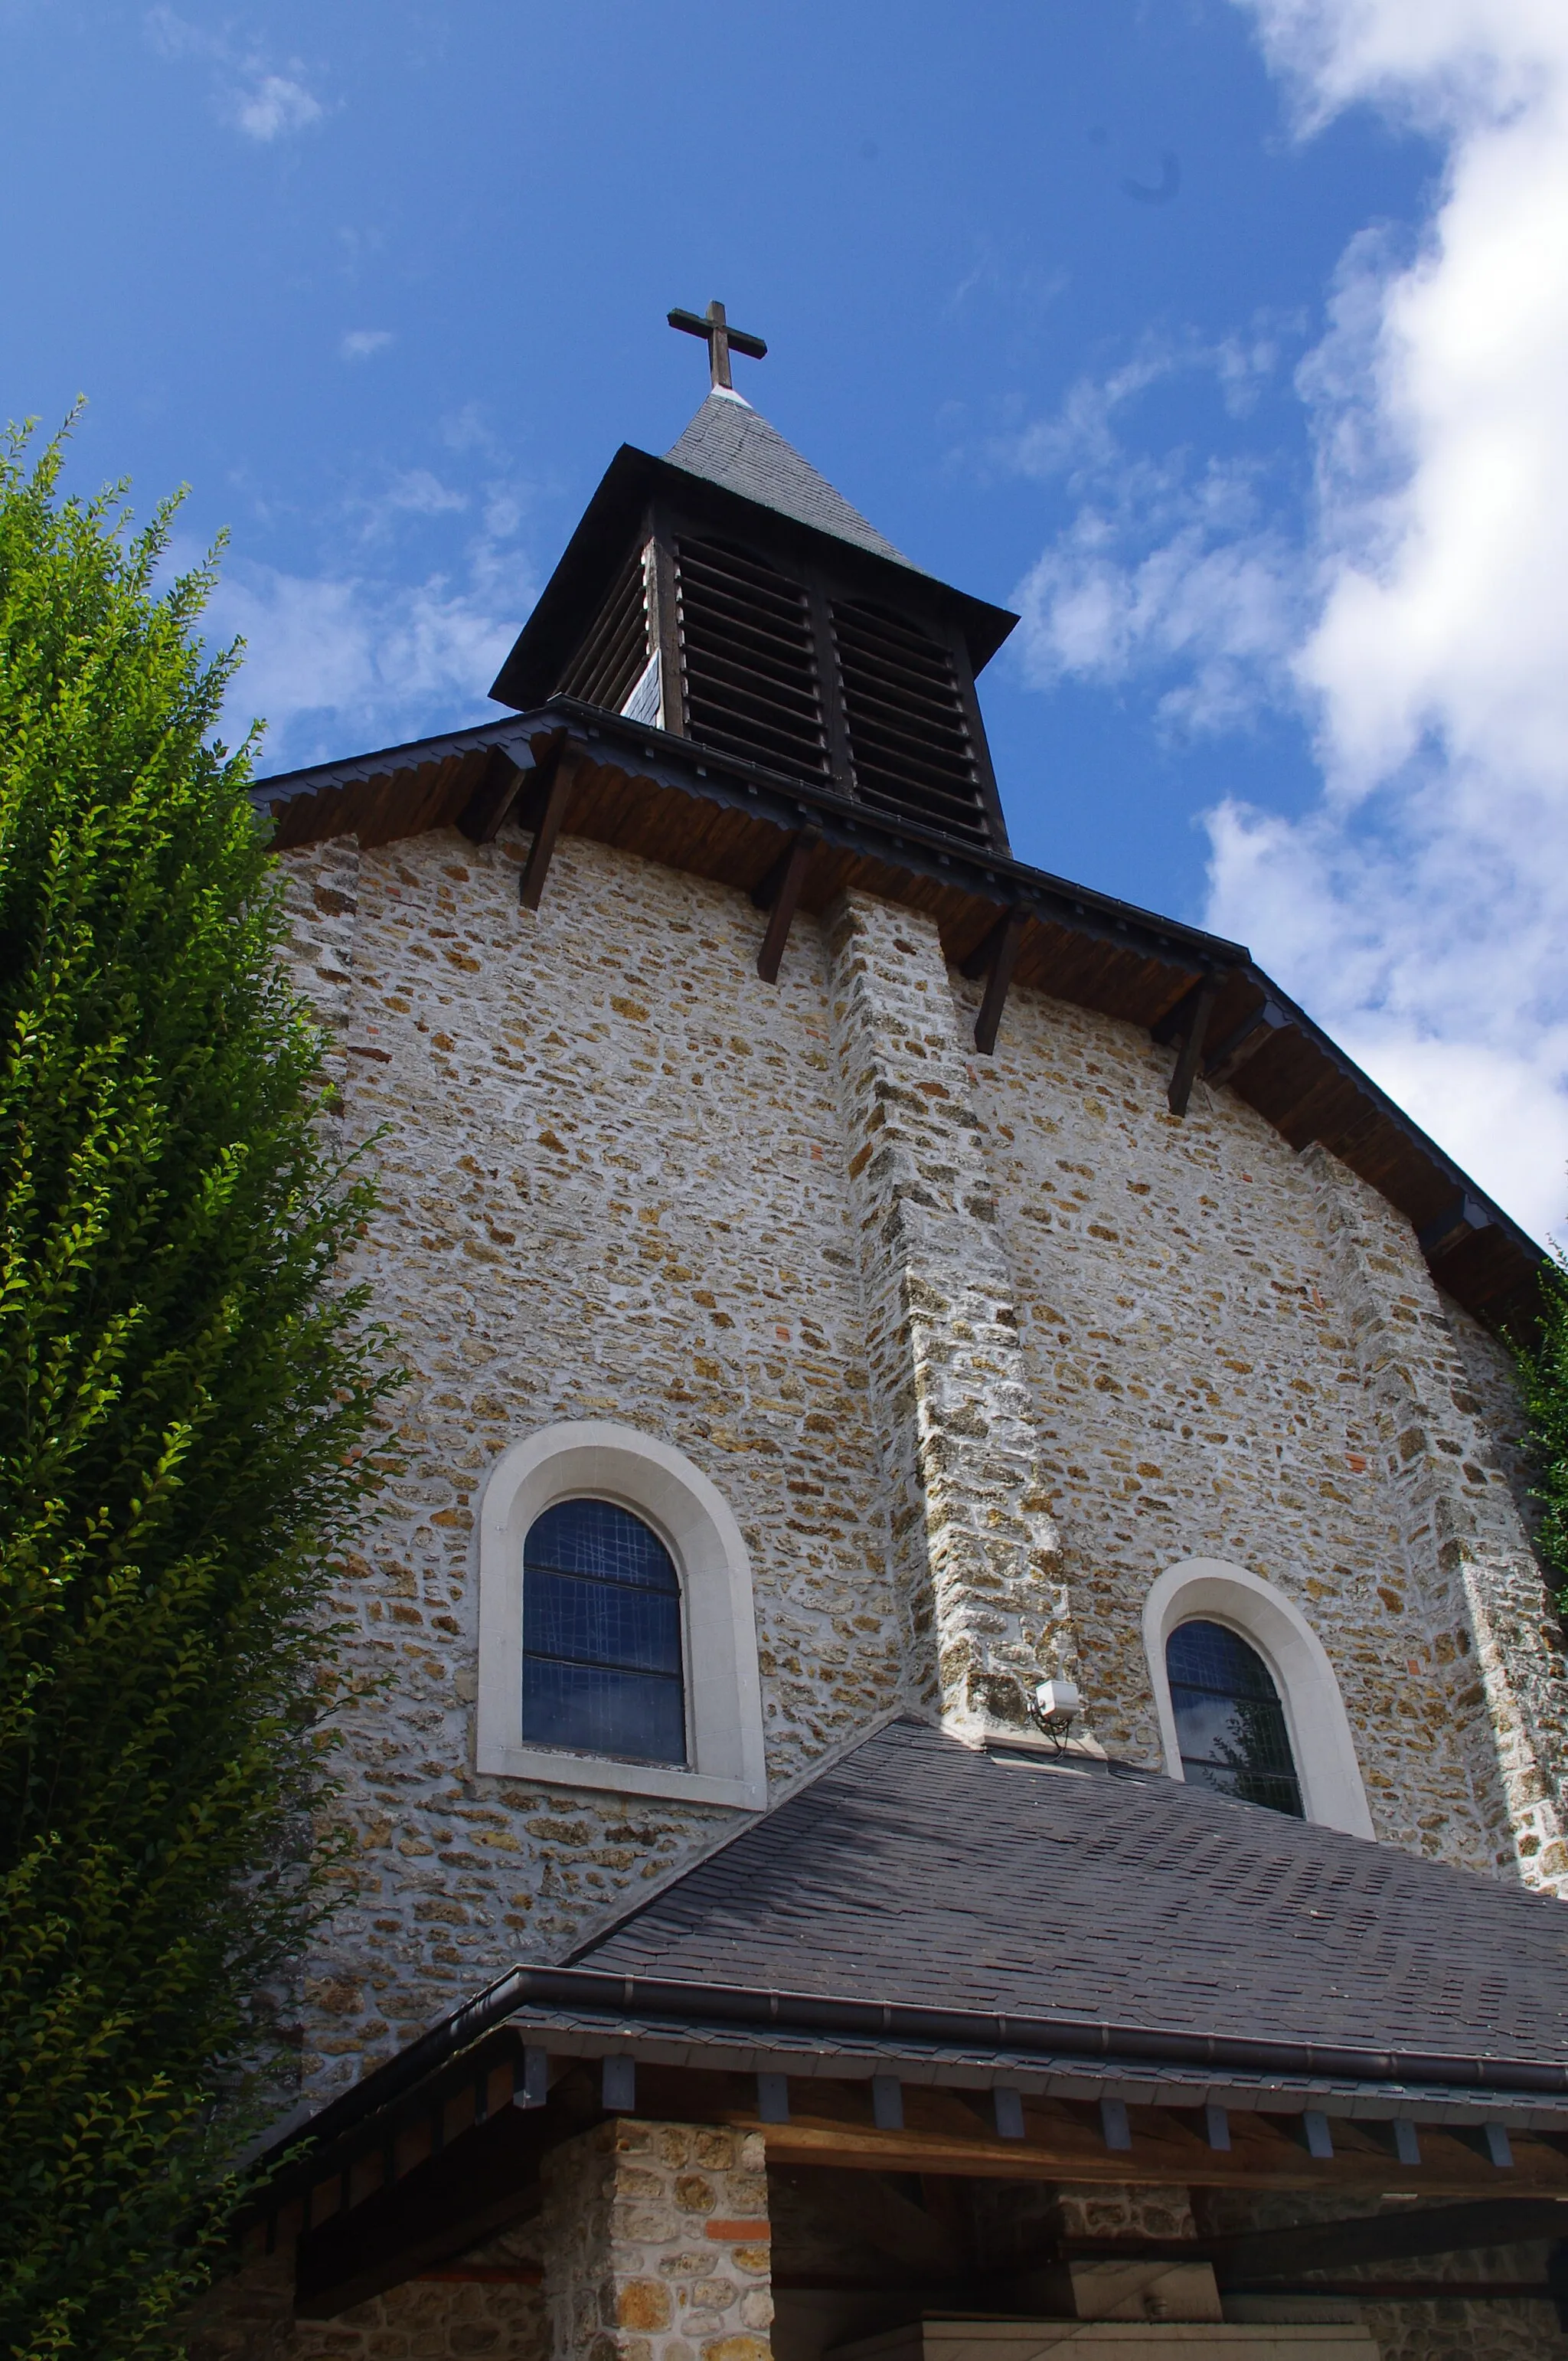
{"type": "Point", "coordinates": [660, 797]}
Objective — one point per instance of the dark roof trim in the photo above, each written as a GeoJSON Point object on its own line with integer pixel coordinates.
{"type": "Point", "coordinates": [282, 787]}
{"type": "Point", "coordinates": [711, 2009]}
{"type": "Point", "coordinates": [670, 761]}
{"type": "Point", "coordinates": [446, 2039]}
{"type": "Point", "coordinates": [613, 1996]}
{"type": "Point", "coordinates": [1478, 1210]}
{"type": "Point", "coordinates": [631, 484]}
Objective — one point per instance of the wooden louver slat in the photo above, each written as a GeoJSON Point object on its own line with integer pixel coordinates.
{"type": "Point", "coordinates": [613, 655]}
{"type": "Point", "coordinates": [748, 662]}
{"type": "Point", "coordinates": [910, 740]}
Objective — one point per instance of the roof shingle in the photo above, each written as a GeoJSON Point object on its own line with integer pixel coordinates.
{"type": "Point", "coordinates": [730, 444]}
{"type": "Point", "coordinates": [919, 1872]}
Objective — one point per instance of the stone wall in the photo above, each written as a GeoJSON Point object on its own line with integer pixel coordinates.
{"type": "Point", "coordinates": [1449, 2329]}
{"type": "Point", "coordinates": [432, 2319]}
{"type": "Point", "coordinates": [975, 1349]}
{"type": "Point", "coordinates": [1498, 1645]}
{"type": "Point", "coordinates": [1195, 1342]}
{"type": "Point", "coordinates": [613, 1187]}
{"type": "Point", "coordinates": [1493, 1381]}
{"type": "Point", "coordinates": [442, 2316]}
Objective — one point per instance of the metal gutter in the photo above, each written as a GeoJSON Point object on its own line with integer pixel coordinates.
{"type": "Point", "coordinates": [613, 1998]}
{"type": "Point", "coordinates": [591, 1989]}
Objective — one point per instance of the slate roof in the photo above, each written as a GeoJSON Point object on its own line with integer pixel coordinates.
{"type": "Point", "coordinates": [730, 444]}
{"type": "Point", "coordinates": [946, 1915]}
{"type": "Point", "coordinates": [920, 1872]}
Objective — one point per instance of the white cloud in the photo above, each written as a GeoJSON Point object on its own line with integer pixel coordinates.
{"type": "Point", "coordinates": [1425, 903]}
{"type": "Point", "coordinates": [335, 662]}
{"type": "Point", "coordinates": [1419, 623]}
{"type": "Point", "coordinates": [1438, 63]}
{"type": "Point", "coordinates": [250, 92]}
{"type": "Point", "coordinates": [1083, 439]}
{"type": "Point", "coordinates": [1169, 567]}
{"type": "Point", "coordinates": [469, 429]}
{"type": "Point", "coordinates": [399, 626]}
{"type": "Point", "coordinates": [274, 105]}
{"type": "Point", "coordinates": [410, 492]}
{"type": "Point", "coordinates": [418, 492]}
{"type": "Point", "coordinates": [1211, 602]}
{"type": "Point", "coordinates": [1432, 952]}
{"type": "Point", "coordinates": [362, 343]}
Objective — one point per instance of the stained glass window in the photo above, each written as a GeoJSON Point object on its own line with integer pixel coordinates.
{"type": "Point", "coordinates": [1230, 1724]}
{"type": "Point", "coordinates": [601, 1636]}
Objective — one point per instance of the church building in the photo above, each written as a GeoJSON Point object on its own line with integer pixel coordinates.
{"type": "Point", "coordinates": [956, 1745]}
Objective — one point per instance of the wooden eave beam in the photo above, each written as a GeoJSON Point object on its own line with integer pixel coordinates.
{"type": "Point", "coordinates": [951, 2131]}
{"type": "Point", "coordinates": [1464, 1218]}
{"type": "Point", "coordinates": [490, 805]}
{"type": "Point", "coordinates": [995, 957]}
{"type": "Point", "coordinates": [832, 2123]}
{"type": "Point", "coordinates": [871, 2208]}
{"type": "Point", "coordinates": [488, 2182]}
{"type": "Point", "coordinates": [779, 894]}
{"type": "Point", "coordinates": [1173, 1025]}
{"type": "Point", "coordinates": [478, 2144]}
{"type": "Point", "coordinates": [1268, 2161]}
{"type": "Point", "coordinates": [556, 777]}
{"type": "Point", "coordinates": [1262, 2254]}
{"type": "Point", "coordinates": [456, 2157]}
{"type": "Point", "coordinates": [1243, 1042]}
{"type": "Point", "coordinates": [1191, 1050]}
{"type": "Point", "coordinates": [1305, 1096]}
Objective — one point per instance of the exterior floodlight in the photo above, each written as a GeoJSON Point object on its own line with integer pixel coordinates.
{"type": "Point", "coordinates": [1054, 1705]}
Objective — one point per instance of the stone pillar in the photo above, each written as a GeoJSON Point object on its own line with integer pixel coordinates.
{"type": "Point", "coordinates": [975, 1548]}
{"type": "Point", "coordinates": [1495, 1633]}
{"type": "Point", "coordinates": [655, 2244]}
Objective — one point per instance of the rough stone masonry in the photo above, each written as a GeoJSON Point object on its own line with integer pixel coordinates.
{"type": "Point", "coordinates": [975, 1349]}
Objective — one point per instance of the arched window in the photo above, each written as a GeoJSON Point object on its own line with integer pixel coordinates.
{"type": "Point", "coordinates": [602, 1670]}
{"type": "Point", "coordinates": [639, 1672]}
{"type": "Point", "coordinates": [1312, 1732]}
{"type": "Point", "coordinates": [1230, 1724]}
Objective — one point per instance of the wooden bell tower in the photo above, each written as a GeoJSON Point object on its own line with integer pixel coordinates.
{"type": "Point", "coordinates": [727, 595]}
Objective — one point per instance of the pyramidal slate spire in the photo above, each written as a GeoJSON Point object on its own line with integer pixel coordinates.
{"type": "Point", "coordinates": [729, 444]}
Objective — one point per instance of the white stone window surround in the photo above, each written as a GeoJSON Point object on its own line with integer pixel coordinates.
{"type": "Point", "coordinates": [595, 1459]}
{"type": "Point", "coordinates": [1211, 1590]}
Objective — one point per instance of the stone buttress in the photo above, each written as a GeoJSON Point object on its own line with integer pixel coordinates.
{"type": "Point", "coordinates": [1498, 1647]}
{"type": "Point", "coordinates": [974, 1540]}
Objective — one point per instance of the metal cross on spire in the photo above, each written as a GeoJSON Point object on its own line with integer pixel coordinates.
{"type": "Point", "coordinates": [720, 338]}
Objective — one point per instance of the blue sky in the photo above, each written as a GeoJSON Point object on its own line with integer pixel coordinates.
{"type": "Point", "coordinates": [1152, 318]}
